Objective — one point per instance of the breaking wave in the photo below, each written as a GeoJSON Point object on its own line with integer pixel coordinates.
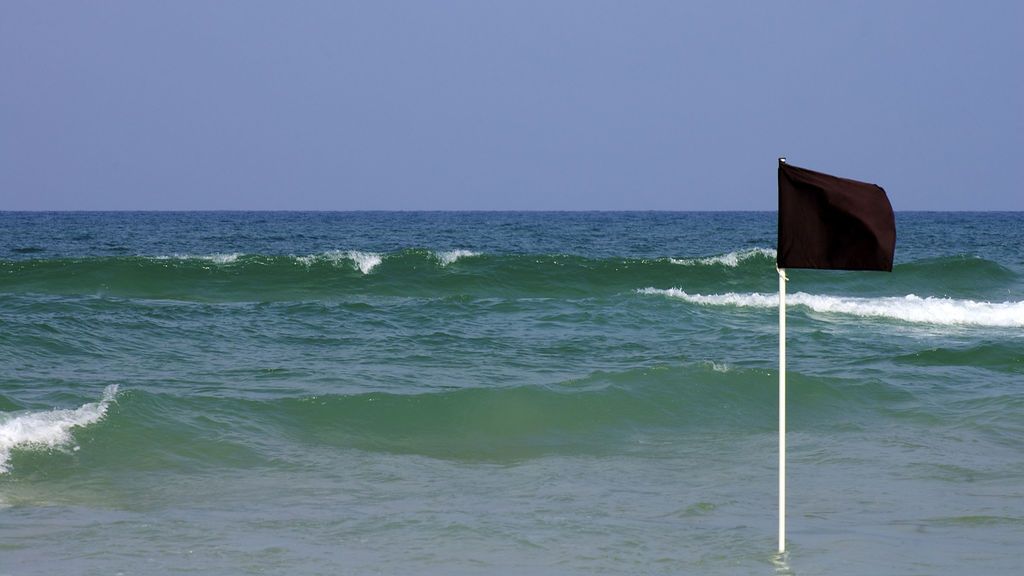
{"type": "Point", "coordinates": [909, 308]}
{"type": "Point", "coordinates": [732, 259]}
{"type": "Point", "coordinates": [214, 258]}
{"type": "Point", "coordinates": [451, 256]}
{"type": "Point", "coordinates": [365, 262]}
{"type": "Point", "coordinates": [47, 430]}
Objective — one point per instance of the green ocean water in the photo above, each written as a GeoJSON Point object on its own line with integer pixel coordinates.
{"type": "Point", "coordinates": [502, 393]}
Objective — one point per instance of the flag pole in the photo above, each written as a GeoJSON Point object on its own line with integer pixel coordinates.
{"type": "Point", "coordinates": [782, 409]}
{"type": "Point", "coordinates": [782, 403]}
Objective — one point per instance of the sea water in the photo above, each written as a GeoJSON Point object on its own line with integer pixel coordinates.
{"type": "Point", "coordinates": [503, 393]}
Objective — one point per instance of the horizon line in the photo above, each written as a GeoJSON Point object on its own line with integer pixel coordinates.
{"type": "Point", "coordinates": [443, 211]}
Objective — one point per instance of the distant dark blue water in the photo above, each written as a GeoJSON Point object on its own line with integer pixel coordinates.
{"type": "Point", "coordinates": [502, 393]}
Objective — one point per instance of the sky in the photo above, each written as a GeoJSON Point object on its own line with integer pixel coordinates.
{"type": "Point", "coordinates": [514, 105]}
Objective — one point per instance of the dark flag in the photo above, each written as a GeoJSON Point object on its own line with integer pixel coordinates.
{"type": "Point", "coordinates": [833, 223]}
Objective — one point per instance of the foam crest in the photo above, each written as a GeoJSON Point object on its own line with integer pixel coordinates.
{"type": "Point", "coordinates": [728, 299]}
{"type": "Point", "coordinates": [732, 259]}
{"type": "Point", "coordinates": [215, 258]}
{"type": "Point", "coordinates": [451, 256]}
{"type": "Point", "coordinates": [222, 258]}
{"type": "Point", "coordinates": [50, 429]}
{"type": "Point", "coordinates": [307, 260]}
{"type": "Point", "coordinates": [910, 308]}
{"type": "Point", "coordinates": [363, 261]}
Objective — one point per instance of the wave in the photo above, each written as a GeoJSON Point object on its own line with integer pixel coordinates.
{"type": "Point", "coordinates": [232, 276]}
{"type": "Point", "coordinates": [697, 396]}
{"type": "Point", "coordinates": [51, 429]}
{"type": "Point", "coordinates": [997, 356]}
{"type": "Point", "coordinates": [909, 308]}
{"type": "Point", "coordinates": [412, 272]}
{"type": "Point", "coordinates": [451, 256]}
{"type": "Point", "coordinates": [365, 262]}
{"type": "Point", "coordinates": [600, 412]}
{"type": "Point", "coordinates": [962, 265]}
{"type": "Point", "coordinates": [214, 258]}
{"type": "Point", "coordinates": [731, 260]}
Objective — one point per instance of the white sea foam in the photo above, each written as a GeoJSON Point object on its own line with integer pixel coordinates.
{"type": "Point", "coordinates": [215, 258]}
{"type": "Point", "coordinates": [364, 261]}
{"type": "Point", "coordinates": [221, 258]}
{"type": "Point", "coordinates": [48, 429]}
{"type": "Point", "coordinates": [723, 367]}
{"type": "Point", "coordinates": [451, 256]}
{"type": "Point", "coordinates": [910, 308]}
{"type": "Point", "coordinates": [732, 259]}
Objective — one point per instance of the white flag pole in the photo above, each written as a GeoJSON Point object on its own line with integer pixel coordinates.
{"type": "Point", "coordinates": [782, 409]}
{"type": "Point", "coordinates": [782, 404]}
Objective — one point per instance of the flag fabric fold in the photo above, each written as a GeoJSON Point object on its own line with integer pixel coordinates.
{"type": "Point", "coordinates": [834, 223]}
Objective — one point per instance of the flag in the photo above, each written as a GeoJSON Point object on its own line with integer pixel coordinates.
{"type": "Point", "coordinates": [833, 223]}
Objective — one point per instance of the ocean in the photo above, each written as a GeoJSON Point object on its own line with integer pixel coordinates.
{"type": "Point", "coordinates": [503, 393]}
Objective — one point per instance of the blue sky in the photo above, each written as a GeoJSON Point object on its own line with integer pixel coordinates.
{"type": "Point", "coordinates": [480, 105]}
